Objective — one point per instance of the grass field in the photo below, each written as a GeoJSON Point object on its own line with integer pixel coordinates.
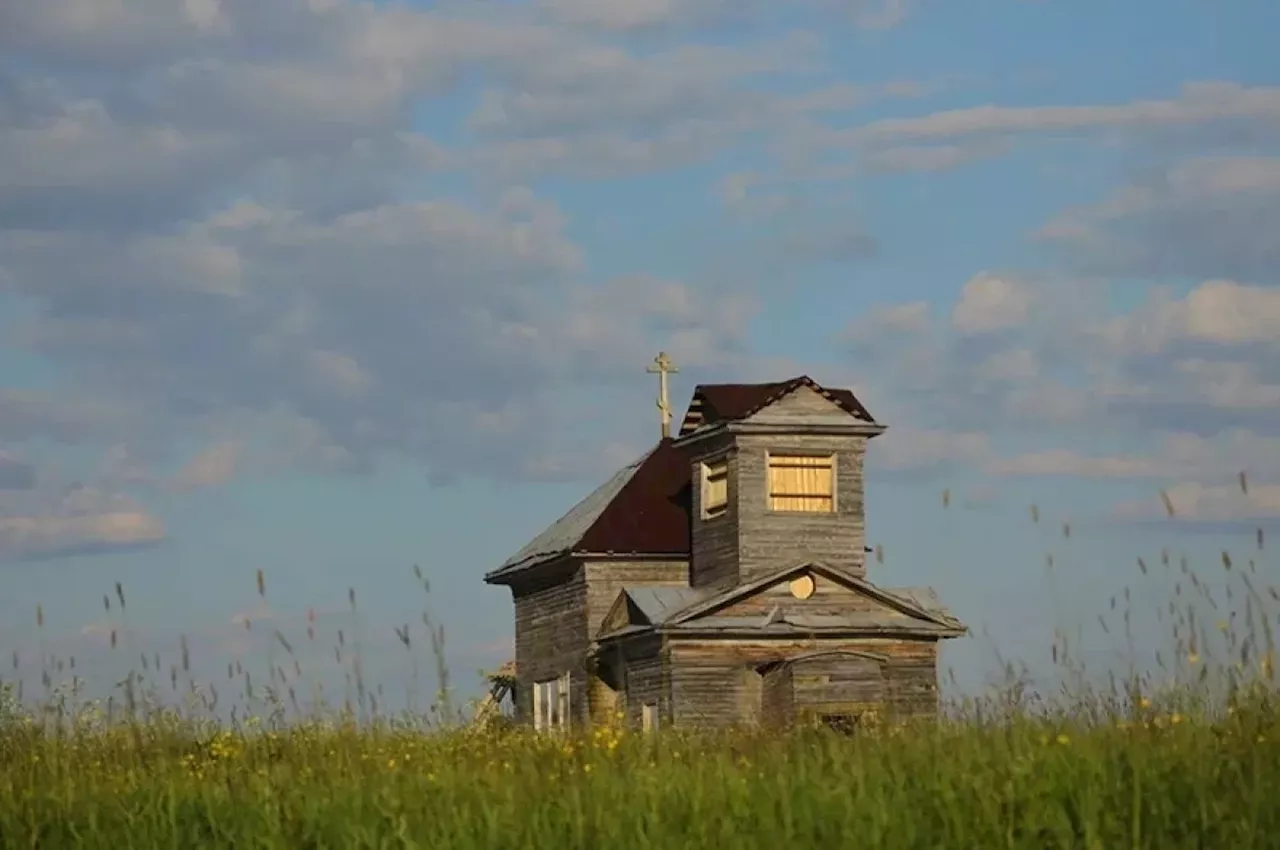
{"type": "Point", "coordinates": [1185, 757]}
{"type": "Point", "coordinates": [1165, 777]}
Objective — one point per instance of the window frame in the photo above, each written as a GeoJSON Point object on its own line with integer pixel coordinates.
{"type": "Point", "coordinates": [557, 698]}
{"type": "Point", "coordinates": [833, 496]}
{"type": "Point", "coordinates": [714, 467]}
{"type": "Point", "coordinates": [650, 721]}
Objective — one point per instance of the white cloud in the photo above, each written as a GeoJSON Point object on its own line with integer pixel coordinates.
{"type": "Point", "coordinates": [990, 302]}
{"type": "Point", "coordinates": [1238, 385]}
{"type": "Point", "coordinates": [892, 321]}
{"type": "Point", "coordinates": [631, 14]}
{"type": "Point", "coordinates": [59, 535]}
{"type": "Point", "coordinates": [1210, 217]}
{"type": "Point", "coordinates": [949, 139]}
{"type": "Point", "coordinates": [183, 111]}
{"type": "Point", "coordinates": [908, 158]}
{"type": "Point", "coordinates": [84, 146]}
{"type": "Point", "coordinates": [51, 521]}
{"type": "Point", "coordinates": [905, 448]}
{"type": "Point", "coordinates": [15, 473]}
{"type": "Point", "coordinates": [30, 414]}
{"type": "Point", "coordinates": [1015, 366]}
{"type": "Point", "coordinates": [1208, 503]}
{"type": "Point", "coordinates": [1176, 456]}
{"type": "Point", "coordinates": [246, 180]}
{"type": "Point", "coordinates": [206, 15]}
{"type": "Point", "coordinates": [414, 328]}
{"type": "Point", "coordinates": [1229, 313]}
{"type": "Point", "coordinates": [1067, 462]}
{"type": "Point", "coordinates": [1226, 175]}
{"type": "Point", "coordinates": [1221, 312]}
{"type": "Point", "coordinates": [1055, 359]}
{"type": "Point", "coordinates": [213, 466]}
{"type": "Point", "coordinates": [114, 31]}
{"type": "Point", "coordinates": [1197, 103]}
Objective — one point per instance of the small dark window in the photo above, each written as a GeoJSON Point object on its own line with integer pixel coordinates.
{"type": "Point", "coordinates": [845, 724]}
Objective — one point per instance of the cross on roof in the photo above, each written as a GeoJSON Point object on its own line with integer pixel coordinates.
{"type": "Point", "coordinates": [663, 366]}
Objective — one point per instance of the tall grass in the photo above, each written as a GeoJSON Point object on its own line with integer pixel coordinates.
{"type": "Point", "coordinates": [1184, 755]}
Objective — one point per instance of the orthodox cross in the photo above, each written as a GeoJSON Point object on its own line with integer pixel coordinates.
{"type": "Point", "coordinates": [663, 366]}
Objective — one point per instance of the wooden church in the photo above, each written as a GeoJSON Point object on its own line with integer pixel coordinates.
{"type": "Point", "coordinates": [721, 579]}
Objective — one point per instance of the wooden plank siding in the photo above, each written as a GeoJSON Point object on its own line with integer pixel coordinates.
{"type": "Point", "coordinates": [912, 675]}
{"type": "Point", "coordinates": [644, 667]}
{"type": "Point", "coordinates": [770, 539]}
{"type": "Point", "coordinates": [551, 635]}
{"type": "Point", "coordinates": [714, 542]}
{"type": "Point", "coordinates": [708, 693]}
{"type": "Point", "coordinates": [777, 706]}
{"type": "Point", "coordinates": [605, 580]}
{"type": "Point", "coordinates": [837, 684]}
{"type": "Point", "coordinates": [829, 597]}
{"type": "Point", "coordinates": [803, 407]}
{"type": "Point", "coordinates": [749, 538]}
{"type": "Point", "coordinates": [719, 681]}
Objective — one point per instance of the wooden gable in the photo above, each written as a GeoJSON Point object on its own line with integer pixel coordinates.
{"type": "Point", "coordinates": [819, 596]}
{"type": "Point", "coordinates": [803, 404]}
{"type": "Point", "coordinates": [621, 614]}
{"type": "Point", "coordinates": [714, 403]}
{"type": "Point", "coordinates": [805, 592]}
{"type": "Point", "coordinates": [648, 606]}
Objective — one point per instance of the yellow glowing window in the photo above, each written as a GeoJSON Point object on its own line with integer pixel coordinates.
{"type": "Point", "coordinates": [715, 488]}
{"type": "Point", "coordinates": [802, 483]}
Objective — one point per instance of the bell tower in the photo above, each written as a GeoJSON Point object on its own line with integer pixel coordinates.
{"type": "Point", "coordinates": [777, 477]}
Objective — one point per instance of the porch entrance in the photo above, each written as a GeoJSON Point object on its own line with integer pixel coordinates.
{"type": "Point", "coordinates": [836, 690]}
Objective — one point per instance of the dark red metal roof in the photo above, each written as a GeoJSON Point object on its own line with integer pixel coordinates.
{"type": "Point", "coordinates": [651, 513]}
{"type": "Point", "coordinates": [727, 402]}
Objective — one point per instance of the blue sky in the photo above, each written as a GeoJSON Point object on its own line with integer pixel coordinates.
{"type": "Point", "coordinates": [332, 289]}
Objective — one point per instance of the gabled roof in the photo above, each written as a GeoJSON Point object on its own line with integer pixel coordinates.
{"type": "Point", "coordinates": [730, 402]}
{"type": "Point", "coordinates": [642, 510]}
{"type": "Point", "coordinates": [697, 609]}
{"type": "Point", "coordinates": [659, 604]}
{"type": "Point", "coordinates": [641, 608]}
{"type": "Point", "coordinates": [908, 601]}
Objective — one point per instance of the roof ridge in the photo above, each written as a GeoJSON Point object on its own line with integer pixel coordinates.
{"type": "Point", "coordinates": [734, 402]}
{"type": "Point", "coordinates": [555, 539]}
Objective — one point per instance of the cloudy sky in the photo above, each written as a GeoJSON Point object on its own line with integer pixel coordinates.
{"type": "Point", "coordinates": [330, 289]}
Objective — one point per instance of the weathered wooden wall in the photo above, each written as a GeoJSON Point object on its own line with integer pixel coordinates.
{"type": "Point", "coordinates": [829, 598]}
{"type": "Point", "coordinates": [748, 538]}
{"type": "Point", "coordinates": [770, 539]}
{"type": "Point", "coordinates": [551, 636]}
{"type": "Point", "coordinates": [715, 682]}
{"type": "Point", "coordinates": [605, 581]}
{"type": "Point", "coordinates": [645, 671]}
{"type": "Point", "coordinates": [708, 691]}
{"type": "Point", "coordinates": [912, 678]}
{"type": "Point", "coordinates": [714, 542]}
{"type": "Point", "coordinates": [777, 706]}
{"type": "Point", "coordinates": [837, 684]}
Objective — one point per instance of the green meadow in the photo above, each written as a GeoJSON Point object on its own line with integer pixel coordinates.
{"type": "Point", "coordinates": [1183, 755]}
